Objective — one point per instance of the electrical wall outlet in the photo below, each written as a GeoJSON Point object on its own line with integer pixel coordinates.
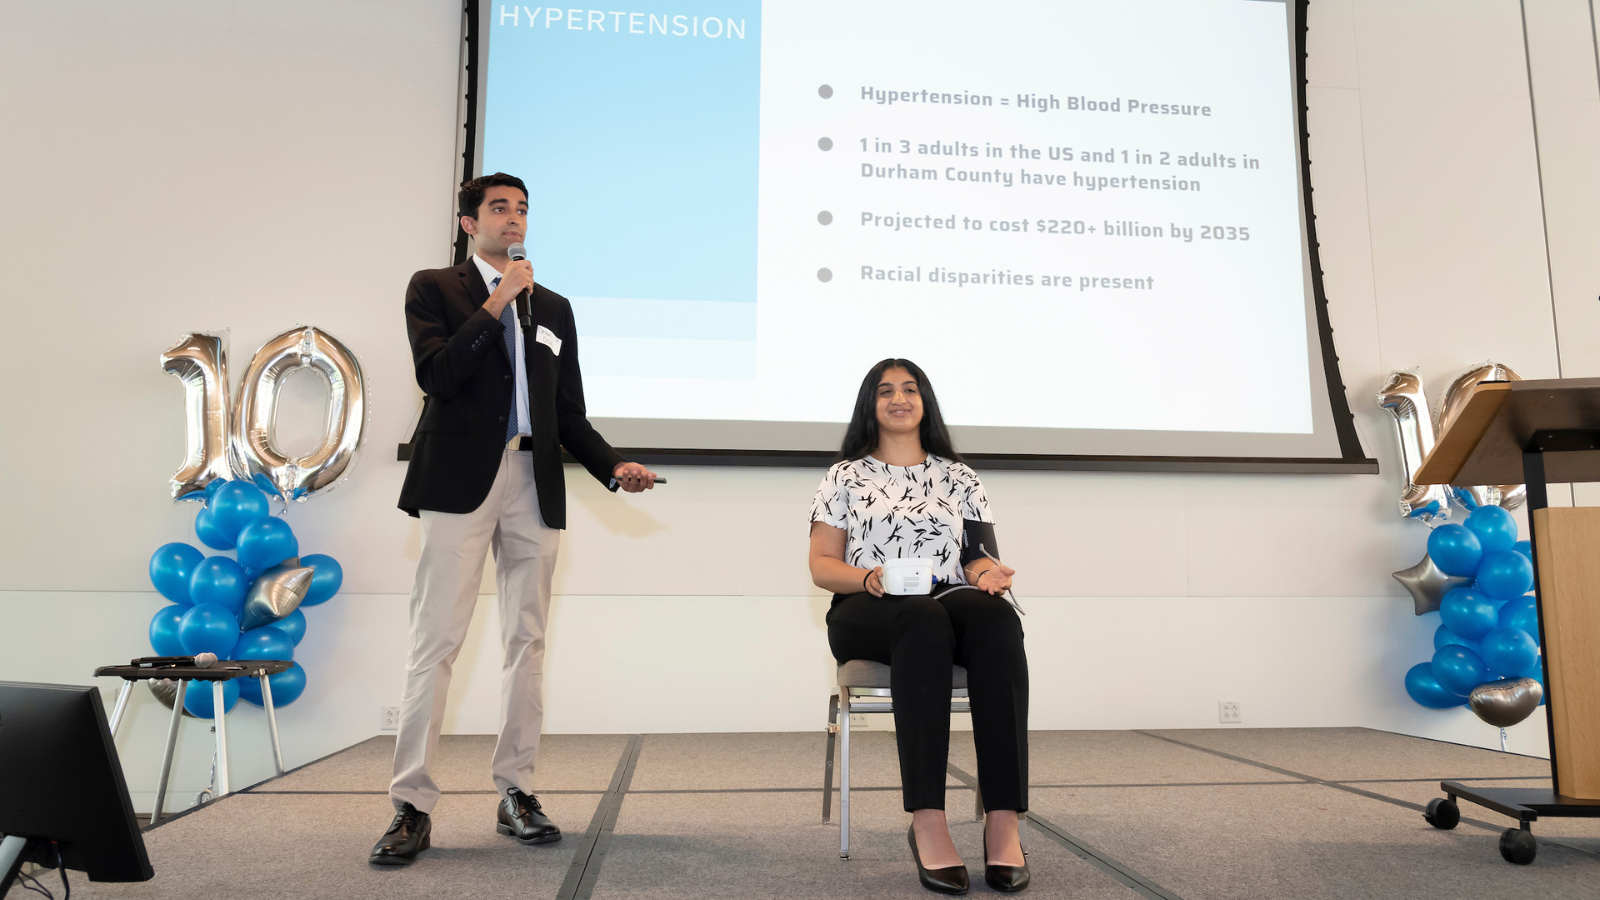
{"type": "Point", "coordinates": [1228, 712]}
{"type": "Point", "coordinates": [857, 720]}
{"type": "Point", "coordinates": [391, 718]}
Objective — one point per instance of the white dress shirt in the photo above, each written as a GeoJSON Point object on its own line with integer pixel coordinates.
{"type": "Point", "coordinates": [519, 365]}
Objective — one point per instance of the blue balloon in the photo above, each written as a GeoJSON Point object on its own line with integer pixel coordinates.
{"type": "Point", "coordinates": [1522, 613]}
{"type": "Point", "coordinates": [287, 686]}
{"type": "Point", "coordinates": [1508, 651]}
{"type": "Point", "coordinates": [1444, 637]}
{"type": "Point", "coordinates": [325, 580]}
{"type": "Point", "coordinates": [222, 581]}
{"type": "Point", "coordinates": [1504, 574]}
{"type": "Point", "coordinates": [1431, 509]}
{"type": "Point", "coordinates": [265, 485]}
{"type": "Point", "coordinates": [1468, 613]}
{"type": "Point", "coordinates": [1525, 548]}
{"type": "Point", "coordinates": [207, 532]}
{"type": "Point", "coordinates": [170, 569]}
{"type": "Point", "coordinates": [213, 486]}
{"type": "Point", "coordinates": [236, 505]}
{"type": "Point", "coordinates": [266, 542]}
{"type": "Point", "coordinates": [1455, 550]}
{"type": "Point", "coordinates": [208, 628]}
{"type": "Point", "coordinates": [197, 697]}
{"type": "Point", "coordinates": [1426, 690]}
{"type": "Point", "coordinates": [164, 631]}
{"type": "Point", "coordinates": [293, 625]}
{"type": "Point", "coordinates": [1495, 528]}
{"type": "Point", "coordinates": [264, 643]}
{"type": "Point", "coordinates": [1459, 670]}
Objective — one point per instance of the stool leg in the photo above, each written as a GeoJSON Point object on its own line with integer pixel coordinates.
{"type": "Point", "coordinates": [827, 765]}
{"type": "Point", "coordinates": [120, 708]}
{"type": "Point", "coordinates": [272, 723]}
{"type": "Point", "coordinates": [166, 756]}
{"type": "Point", "coordinates": [220, 720]}
{"type": "Point", "coordinates": [844, 773]}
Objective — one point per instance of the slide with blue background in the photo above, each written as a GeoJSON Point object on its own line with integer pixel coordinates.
{"type": "Point", "coordinates": [749, 203]}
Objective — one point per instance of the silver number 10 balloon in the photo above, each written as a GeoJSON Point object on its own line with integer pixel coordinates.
{"type": "Point", "coordinates": [1509, 496]}
{"type": "Point", "coordinates": [254, 453]}
{"type": "Point", "coordinates": [201, 362]}
{"type": "Point", "coordinates": [245, 448]}
{"type": "Point", "coordinates": [1403, 396]}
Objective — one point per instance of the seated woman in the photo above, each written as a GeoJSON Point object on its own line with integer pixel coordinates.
{"type": "Point", "coordinates": [899, 490]}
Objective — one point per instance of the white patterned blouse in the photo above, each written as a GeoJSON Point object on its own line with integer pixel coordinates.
{"type": "Point", "coordinates": [902, 511]}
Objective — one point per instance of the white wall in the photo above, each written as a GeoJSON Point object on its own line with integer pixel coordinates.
{"type": "Point", "coordinates": [235, 164]}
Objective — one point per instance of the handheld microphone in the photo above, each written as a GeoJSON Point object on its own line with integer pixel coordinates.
{"type": "Point", "coordinates": [518, 252]}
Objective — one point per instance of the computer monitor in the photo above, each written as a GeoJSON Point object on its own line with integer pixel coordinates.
{"type": "Point", "coordinates": [61, 783]}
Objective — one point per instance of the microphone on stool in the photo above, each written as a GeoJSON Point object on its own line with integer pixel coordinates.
{"type": "Point", "coordinates": [518, 253]}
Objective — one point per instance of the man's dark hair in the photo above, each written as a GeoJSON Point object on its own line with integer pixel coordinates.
{"type": "Point", "coordinates": [471, 196]}
{"type": "Point", "coordinates": [861, 436]}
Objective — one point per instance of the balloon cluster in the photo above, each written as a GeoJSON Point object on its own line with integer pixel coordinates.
{"type": "Point", "coordinates": [239, 608]}
{"type": "Point", "coordinates": [1487, 644]}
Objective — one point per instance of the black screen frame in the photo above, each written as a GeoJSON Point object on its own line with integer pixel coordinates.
{"type": "Point", "coordinates": [1352, 460]}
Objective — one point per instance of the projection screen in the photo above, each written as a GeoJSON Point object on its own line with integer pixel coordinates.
{"type": "Point", "coordinates": [1089, 222]}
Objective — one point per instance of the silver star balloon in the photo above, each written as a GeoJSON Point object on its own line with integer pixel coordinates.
{"type": "Point", "coordinates": [276, 593]}
{"type": "Point", "coordinates": [1506, 702]}
{"type": "Point", "coordinates": [1428, 584]}
{"type": "Point", "coordinates": [166, 690]}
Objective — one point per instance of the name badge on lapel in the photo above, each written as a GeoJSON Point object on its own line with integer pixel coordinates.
{"type": "Point", "coordinates": [548, 338]}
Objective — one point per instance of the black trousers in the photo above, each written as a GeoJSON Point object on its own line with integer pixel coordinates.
{"type": "Point", "coordinates": [920, 637]}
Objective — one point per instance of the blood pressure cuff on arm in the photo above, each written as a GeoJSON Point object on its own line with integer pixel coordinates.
{"type": "Point", "coordinates": [972, 535]}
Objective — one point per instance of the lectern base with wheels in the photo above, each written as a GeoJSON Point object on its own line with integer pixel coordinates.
{"type": "Point", "coordinates": [1541, 432]}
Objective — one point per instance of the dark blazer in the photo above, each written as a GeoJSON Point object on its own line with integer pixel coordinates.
{"type": "Point", "coordinates": [462, 365]}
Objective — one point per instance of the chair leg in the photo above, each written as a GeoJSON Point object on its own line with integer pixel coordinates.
{"type": "Point", "coordinates": [977, 800]}
{"type": "Point", "coordinates": [844, 773]}
{"type": "Point", "coordinates": [1022, 832]}
{"type": "Point", "coordinates": [827, 766]}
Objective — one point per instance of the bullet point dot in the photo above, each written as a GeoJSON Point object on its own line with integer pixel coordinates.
{"type": "Point", "coordinates": [825, 143]}
{"type": "Point", "coordinates": [825, 217]}
{"type": "Point", "coordinates": [825, 91]}
{"type": "Point", "coordinates": [824, 275]}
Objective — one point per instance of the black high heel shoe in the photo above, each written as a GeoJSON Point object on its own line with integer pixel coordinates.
{"type": "Point", "coordinates": [1006, 879]}
{"type": "Point", "coordinates": [949, 880]}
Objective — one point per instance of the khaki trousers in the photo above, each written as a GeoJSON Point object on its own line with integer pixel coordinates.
{"type": "Point", "coordinates": [442, 600]}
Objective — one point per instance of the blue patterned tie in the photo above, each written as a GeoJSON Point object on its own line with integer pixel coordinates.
{"type": "Point", "coordinates": [508, 318]}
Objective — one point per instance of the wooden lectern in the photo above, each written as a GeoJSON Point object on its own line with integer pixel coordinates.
{"type": "Point", "coordinates": [1537, 432]}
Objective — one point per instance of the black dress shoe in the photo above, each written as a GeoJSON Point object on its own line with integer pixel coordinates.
{"type": "Point", "coordinates": [1006, 879]}
{"type": "Point", "coordinates": [521, 817]}
{"type": "Point", "coordinates": [408, 835]}
{"type": "Point", "coordinates": [949, 880]}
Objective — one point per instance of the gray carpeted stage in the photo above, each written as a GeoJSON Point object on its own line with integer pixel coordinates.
{"type": "Point", "coordinates": [1252, 813]}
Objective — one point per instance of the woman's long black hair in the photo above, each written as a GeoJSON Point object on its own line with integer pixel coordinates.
{"type": "Point", "coordinates": [861, 437]}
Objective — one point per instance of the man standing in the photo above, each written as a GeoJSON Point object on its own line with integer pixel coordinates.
{"type": "Point", "coordinates": [486, 473]}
